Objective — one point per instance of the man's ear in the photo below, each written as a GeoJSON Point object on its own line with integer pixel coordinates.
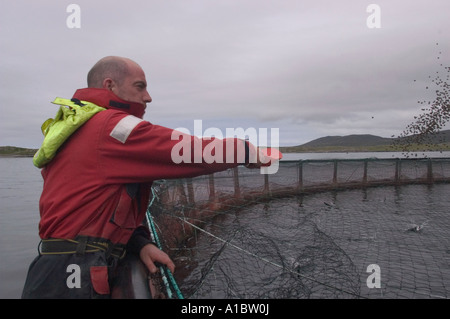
{"type": "Point", "coordinates": [108, 84]}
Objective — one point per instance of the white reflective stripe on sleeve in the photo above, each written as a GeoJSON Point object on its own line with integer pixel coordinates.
{"type": "Point", "coordinates": [125, 126]}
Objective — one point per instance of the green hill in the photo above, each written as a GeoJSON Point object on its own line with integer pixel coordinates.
{"type": "Point", "coordinates": [368, 143]}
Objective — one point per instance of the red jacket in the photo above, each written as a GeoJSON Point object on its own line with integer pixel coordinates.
{"type": "Point", "coordinates": [99, 182]}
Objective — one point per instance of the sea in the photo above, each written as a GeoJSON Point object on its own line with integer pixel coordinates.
{"type": "Point", "coordinates": [20, 189]}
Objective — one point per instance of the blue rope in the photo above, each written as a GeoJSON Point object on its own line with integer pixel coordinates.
{"type": "Point", "coordinates": [168, 279]}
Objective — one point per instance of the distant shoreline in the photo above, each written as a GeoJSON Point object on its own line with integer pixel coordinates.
{"type": "Point", "coordinates": [13, 151]}
{"type": "Point", "coordinates": [365, 149]}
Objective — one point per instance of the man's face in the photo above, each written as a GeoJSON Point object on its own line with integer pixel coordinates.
{"type": "Point", "coordinates": [133, 87]}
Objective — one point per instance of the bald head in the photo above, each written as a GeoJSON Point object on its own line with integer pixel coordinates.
{"type": "Point", "coordinates": [113, 67]}
{"type": "Point", "coordinates": [122, 76]}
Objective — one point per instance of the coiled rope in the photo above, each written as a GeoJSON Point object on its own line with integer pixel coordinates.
{"type": "Point", "coordinates": [271, 262]}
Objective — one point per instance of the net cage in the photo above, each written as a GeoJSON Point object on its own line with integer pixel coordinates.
{"type": "Point", "coordinates": [303, 233]}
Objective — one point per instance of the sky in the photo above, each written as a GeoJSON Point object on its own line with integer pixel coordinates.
{"type": "Point", "coordinates": [305, 68]}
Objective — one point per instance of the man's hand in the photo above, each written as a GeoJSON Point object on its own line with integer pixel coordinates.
{"type": "Point", "coordinates": [260, 159]}
{"type": "Point", "coordinates": [265, 157]}
{"type": "Point", "coordinates": [150, 254]}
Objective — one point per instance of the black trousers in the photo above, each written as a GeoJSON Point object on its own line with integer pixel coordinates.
{"type": "Point", "coordinates": [87, 276]}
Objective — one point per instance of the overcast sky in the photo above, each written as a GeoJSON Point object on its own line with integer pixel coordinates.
{"type": "Point", "coordinates": [308, 68]}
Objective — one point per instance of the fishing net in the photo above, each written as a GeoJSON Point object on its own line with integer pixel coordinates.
{"type": "Point", "coordinates": [240, 234]}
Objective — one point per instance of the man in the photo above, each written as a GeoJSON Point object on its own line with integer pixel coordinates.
{"type": "Point", "coordinates": [97, 183]}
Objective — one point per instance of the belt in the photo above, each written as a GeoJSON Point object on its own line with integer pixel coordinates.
{"type": "Point", "coordinates": [80, 246]}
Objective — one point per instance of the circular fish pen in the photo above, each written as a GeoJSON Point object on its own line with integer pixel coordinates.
{"type": "Point", "coordinates": [315, 229]}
